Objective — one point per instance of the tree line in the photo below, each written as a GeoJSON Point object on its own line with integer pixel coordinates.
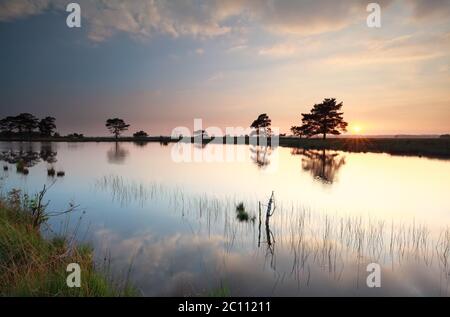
{"type": "Point", "coordinates": [323, 119]}
{"type": "Point", "coordinates": [117, 126]}
{"type": "Point", "coordinates": [27, 125]}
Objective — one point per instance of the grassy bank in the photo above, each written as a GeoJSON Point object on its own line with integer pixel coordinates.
{"type": "Point", "coordinates": [437, 148]}
{"type": "Point", "coordinates": [33, 266]}
{"type": "Point", "coordinates": [429, 147]}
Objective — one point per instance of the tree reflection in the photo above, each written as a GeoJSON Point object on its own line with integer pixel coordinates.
{"type": "Point", "coordinates": [47, 154]}
{"type": "Point", "coordinates": [117, 154]}
{"type": "Point", "coordinates": [140, 143]}
{"type": "Point", "coordinates": [260, 155]}
{"type": "Point", "coordinates": [27, 156]}
{"type": "Point", "coordinates": [270, 238]}
{"type": "Point", "coordinates": [322, 164]}
{"type": "Point", "coordinates": [201, 145]}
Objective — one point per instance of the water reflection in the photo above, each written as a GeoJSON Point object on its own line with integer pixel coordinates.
{"type": "Point", "coordinates": [140, 143]}
{"type": "Point", "coordinates": [47, 153]}
{"type": "Point", "coordinates": [302, 248]}
{"type": "Point", "coordinates": [178, 225]}
{"type": "Point", "coordinates": [200, 145]}
{"type": "Point", "coordinates": [27, 155]}
{"type": "Point", "coordinates": [322, 164]}
{"type": "Point", "coordinates": [126, 192]}
{"type": "Point", "coordinates": [270, 238]}
{"type": "Point", "coordinates": [117, 154]}
{"type": "Point", "coordinates": [260, 155]}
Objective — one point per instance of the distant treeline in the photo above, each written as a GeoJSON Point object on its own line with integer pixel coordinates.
{"type": "Point", "coordinates": [27, 125]}
{"type": "Point", "coordinates": [324, 119]}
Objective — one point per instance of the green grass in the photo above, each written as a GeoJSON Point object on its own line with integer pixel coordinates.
{"type": "Point", "coordinates": [241, 214]}
{"type": "Point", "coordinates": [51, 172]}
{"type": "Point", "coordinates": [222, 291]}
{"type": "Point", "coordinates": [33, 266]}
{"type": "Point", "coordinates": [434, 148]}
{"type": "Point", "coordinates": [22, 168]}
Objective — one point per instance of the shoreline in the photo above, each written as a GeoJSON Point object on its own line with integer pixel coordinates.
{"type": "Point", "coordinates": [34, 265]}
{"type": "Point", "coordinates": [427, 147]}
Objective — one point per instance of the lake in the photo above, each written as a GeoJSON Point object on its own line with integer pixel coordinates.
{"type": "Point", "coordinates": [172, 227]}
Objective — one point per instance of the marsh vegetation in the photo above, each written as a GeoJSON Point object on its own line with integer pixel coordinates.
{"type": "Point", "coordinates": [32, 265]}
{"type": "Point", "coordinates": [309, 226]}
{"type": "Point", "coordinates": [307, 240]}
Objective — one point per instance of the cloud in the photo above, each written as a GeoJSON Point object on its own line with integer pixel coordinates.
{"type": "Point", "coordinates": [199, 18]}
{"type": "Point", "coordinates": [236, 48]}
{"type": "Point", "coordinates": [311, 16]}
{"type": "Point", "coordinates": [426, 9]}
{"type": "Point", "coordinates": [212, 18]}
{"type": "Point", "coordinates": [216, 77]}
{"type": "Point", "coordinates": [164, 265]}
{"type": "Point", "coordinates": [406, 48]}
{"type": "Point", "coordinates": [138, 17]}
{"type": "Point", "coordinates": [10, 10]}
{"type": "Point", "coordinates": [279, 50]}
{"type": "Point", "coordinates": [292, 48]}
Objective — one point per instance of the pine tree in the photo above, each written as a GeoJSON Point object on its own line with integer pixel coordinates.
{"type": "Point", "coordinates": [324, 118]}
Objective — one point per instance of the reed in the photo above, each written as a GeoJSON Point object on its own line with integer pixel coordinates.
{"type": "Point", "coordinates": [335, 243]}
{"type": "Point", "coordinates": [33, 266]}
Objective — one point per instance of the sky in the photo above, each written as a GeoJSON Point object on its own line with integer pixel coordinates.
{"type": "Point", "coordinates": [161, 64]}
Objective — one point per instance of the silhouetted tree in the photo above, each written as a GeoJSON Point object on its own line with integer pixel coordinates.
{"type": "Point", "coordinates": [116, 126]}
{"type": "Point", "coordinates": [11, 125]}
{"type": "Point", "coordinates": [75, 136]}
{"type": "Point", "coordinates": [324, 118]}
{"type": "Point", "coordinates": [26, 122]}
{"type": "Point", "coordinates": [47, 126]}
{"type": "Point", "coordinates": [7, 125]}
{"type": "Point", "coordinates": [300, 131]}
{"type": "Point", "coordinates": [262, 122]}
{"type": "Point", "coordinates": [140, 134]}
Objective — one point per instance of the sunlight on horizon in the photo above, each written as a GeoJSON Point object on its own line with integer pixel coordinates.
{"type": "Point", "coordinates": [356, 129]}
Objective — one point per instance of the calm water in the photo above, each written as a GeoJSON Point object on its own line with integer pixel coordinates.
{"type": "Point", "coordinates": [176, 224]}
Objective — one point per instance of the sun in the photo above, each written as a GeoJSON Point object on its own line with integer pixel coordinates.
{"type": "Point", "coordinates": [356, 129]}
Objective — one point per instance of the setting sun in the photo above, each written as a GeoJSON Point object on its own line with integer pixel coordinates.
{"type": "Point", "coordinates": [356, 129]}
